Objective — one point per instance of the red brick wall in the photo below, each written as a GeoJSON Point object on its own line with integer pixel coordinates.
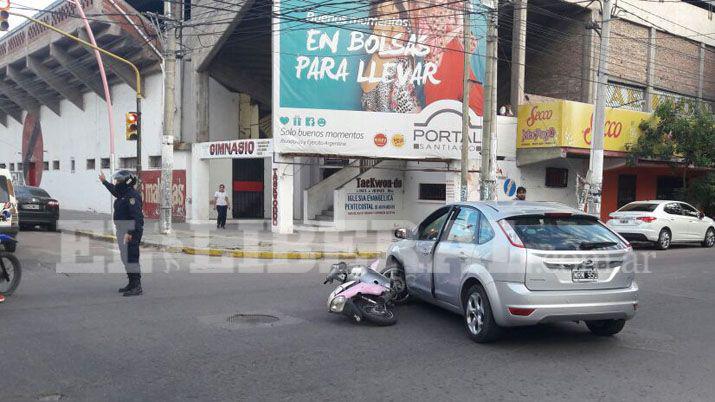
{"type": "Point", "coordinates": [677, 64]}
{"type": "Point", "coordinates": [628, 61]}
{"type": "Point", "coordinates": [709, 76]}
{"type": "Point", "coordinates": [553, 62]}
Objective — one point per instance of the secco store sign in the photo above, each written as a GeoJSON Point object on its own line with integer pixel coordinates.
{"type": "Point", "coordinates": [569, 124]}
{"type": "Point", "coordinates": [383, 79]}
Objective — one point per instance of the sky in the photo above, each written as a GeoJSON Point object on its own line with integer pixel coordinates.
{"type": "Point", "coordinates": [19, 6]}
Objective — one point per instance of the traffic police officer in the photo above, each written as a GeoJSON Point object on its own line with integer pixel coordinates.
{"type": "Point", "coordinates": [129, 221]}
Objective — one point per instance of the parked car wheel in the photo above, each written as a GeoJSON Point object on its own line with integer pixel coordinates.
{"type": "Point", "coordinates": [664, 239]}
{"type": "Point", "coordinates": [478, 318]}
{"type": "Point", "coordinates": [605, 327]}
{"type": "Point", "coordinates": [709, 238]}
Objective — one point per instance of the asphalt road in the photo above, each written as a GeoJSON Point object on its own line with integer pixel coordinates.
{"type": "Point", "coordinates": [68, 335]}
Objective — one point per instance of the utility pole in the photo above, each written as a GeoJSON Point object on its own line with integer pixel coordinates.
{"type": "Point", "coordinates": [174, 14]}
{"type": "Point", "coordinates": [487, 174]}
{"type": "Point", "coordinates": [594, 178]}
{"type": "Point", "coordinates": [464, 191]}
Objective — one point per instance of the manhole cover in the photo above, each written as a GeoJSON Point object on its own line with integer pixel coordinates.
{"type": "Point", "coordinates": [251, 319]}
{"type": "Point", "coordinates": [263, 319]}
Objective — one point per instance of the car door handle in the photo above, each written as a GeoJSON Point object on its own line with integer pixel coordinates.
{"type": "Point", "coordinates": [463, 256]}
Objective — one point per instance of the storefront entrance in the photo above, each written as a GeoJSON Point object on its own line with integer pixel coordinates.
{"type": "Point", "coordinates": [248, 188]}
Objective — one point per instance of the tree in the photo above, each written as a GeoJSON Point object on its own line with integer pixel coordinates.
{"type": "Point", "coordinates": [681, 133]}
{"type": "Point", "coordinates": [701, 192]}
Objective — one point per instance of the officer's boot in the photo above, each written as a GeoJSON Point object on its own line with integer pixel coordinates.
{"type": "Point", "coordinates": [128, 287]}
{"type": "Point", "coordinates": [135, 287]}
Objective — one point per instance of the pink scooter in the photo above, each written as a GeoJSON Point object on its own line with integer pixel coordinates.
{"type": "Point", "coordinates": [364, 294]}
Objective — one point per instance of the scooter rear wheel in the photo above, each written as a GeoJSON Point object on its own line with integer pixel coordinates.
{"type": "Point", "coordinates": [10, 273]}
{"type": "Point", "coordinates": [378, 314]}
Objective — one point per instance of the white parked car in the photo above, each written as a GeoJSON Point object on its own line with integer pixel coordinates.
{"type": "Point", "coordinates": [663, 223]}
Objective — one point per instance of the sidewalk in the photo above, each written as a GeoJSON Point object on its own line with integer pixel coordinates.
{"type": "Point", "coordinates": [240, 239]}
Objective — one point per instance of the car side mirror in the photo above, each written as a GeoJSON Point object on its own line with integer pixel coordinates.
{"type": "Point", "coordinates": [701, 215]}
{"type": "Point", "coordinates": [401, 233]}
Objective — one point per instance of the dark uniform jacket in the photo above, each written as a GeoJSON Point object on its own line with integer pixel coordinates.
{"type": "Point", "coordinates": [128, 215]}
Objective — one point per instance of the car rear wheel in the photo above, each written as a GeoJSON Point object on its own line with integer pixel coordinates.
{"type": "Point", "coordinates": [605, 327]}
{"type": "Point", "coordinates": [709, 240]}
{"type": "Point", "coordinates": [478, 318]}
{"type": "Point", "coordinates": [664, 239]}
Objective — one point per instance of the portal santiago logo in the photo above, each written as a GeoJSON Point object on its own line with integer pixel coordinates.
{"type": "Point", "coordinates": [443, 128]}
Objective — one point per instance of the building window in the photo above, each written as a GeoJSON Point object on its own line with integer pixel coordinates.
{"type": "Point", "coordinates": [557, 177]}
{"type": "Point", "coordinates": [155, 162]}
{"type": "Point", "coordinates": [105, 163]}
{"type": "Point", "coordinates": [55, 165]}
{"type": "Point", "coordinates": [619, 95]}
{"type": "Point", "coordinates": [128, 163]}
{"type": "Point", "coordinates": [12, 167]}
{"type": "Point", "coordinates": [433, 192]}
{"type": "Point", "coordinates": [2, 166]}
{"type": "Point", "coordinates": [19, 166]}
{"type": "Point", "coordinates": [72, 165]}
{"type": "Point", "coordinates": [91, 164]}
{"type": "Point", "coordinates": [45, 165]}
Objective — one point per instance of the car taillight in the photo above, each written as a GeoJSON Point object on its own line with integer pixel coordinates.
{"type": "Point", "coordinates": [521, 311]}
{"type": "Point", "coordinates": [646, 219]}
{"type": "Point", "coordinates": [510, 234]}
{"type": "Point", "coordinates": [53, 204]}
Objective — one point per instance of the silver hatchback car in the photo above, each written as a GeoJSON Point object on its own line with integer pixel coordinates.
{"type": "Point", "coordinates": [503, 264]}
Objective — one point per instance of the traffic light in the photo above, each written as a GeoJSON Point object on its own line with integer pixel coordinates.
{"type": "Point", "coordinates": [132, 121]}
{"type": "Point", "coordinates": [4, 15]}
{"type": "Point", "coordinates": [4, 25]}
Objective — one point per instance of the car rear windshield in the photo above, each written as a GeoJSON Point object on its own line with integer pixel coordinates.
{"type": "Point", "coordinates": [542, 232]}
{"type": "Point", "coordinates": [4, 192]}
{"type": "Point", "coordinates": [23, 191]}
{"type": "Point", "coordinates": [639, 207]}
{"type": "Point", "coordinates": [38, 192]}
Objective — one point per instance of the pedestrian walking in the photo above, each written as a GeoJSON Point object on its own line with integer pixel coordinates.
{"type": "Point", "coordinates": [129, 221]}
{"type": "Point", "coordinates": [221, 201]}
{"type": "Point", "coordinates": [520, 194]}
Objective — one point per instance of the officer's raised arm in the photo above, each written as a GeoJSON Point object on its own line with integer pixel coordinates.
{"type": "Point", "coordinates": [112, 189]}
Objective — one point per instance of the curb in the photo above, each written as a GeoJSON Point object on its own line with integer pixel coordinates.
{"type": "Point", "coordinates": [254, 254]}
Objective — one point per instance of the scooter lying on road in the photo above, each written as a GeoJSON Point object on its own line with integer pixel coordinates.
{"type": "Point", "coordinates": [364, 294]}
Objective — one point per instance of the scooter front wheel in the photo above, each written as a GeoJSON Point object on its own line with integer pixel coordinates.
{"type": "Point", "coordinates": [378, 314]}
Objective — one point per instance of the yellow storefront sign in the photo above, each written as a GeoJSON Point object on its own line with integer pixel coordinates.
{"type": "Point", "coordinates": [568, 124]}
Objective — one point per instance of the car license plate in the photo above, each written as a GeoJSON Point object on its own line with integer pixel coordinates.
{"type": "Point", "coordinates": [625, 221]}
{"type": "Point", "coordinates": [31, 206]}
{"type": "Point", "coordinates": [584, 275]}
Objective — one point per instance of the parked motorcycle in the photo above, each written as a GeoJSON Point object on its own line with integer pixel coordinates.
{"type": "Point", "coordinates": [10, 270]}
{"type": "Point", "coordinates": [364, 294]}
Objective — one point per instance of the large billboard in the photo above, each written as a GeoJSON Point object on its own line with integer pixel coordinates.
{"type": "Point", "coordinates": [376, 78]}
